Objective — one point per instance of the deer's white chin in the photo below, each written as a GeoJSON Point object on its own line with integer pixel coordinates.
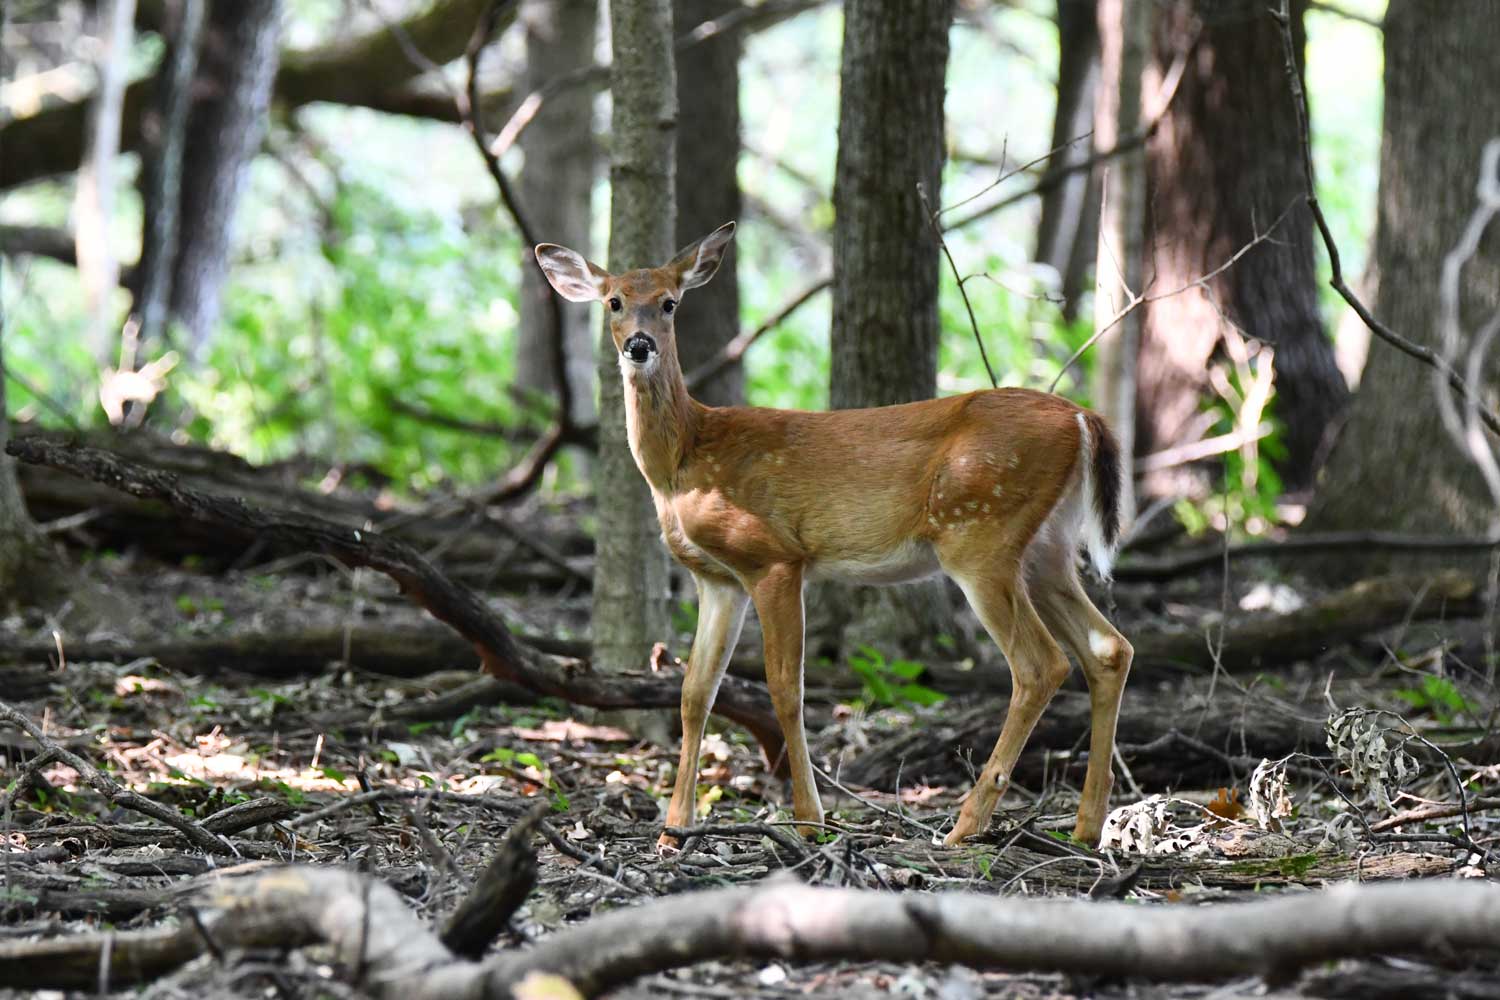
{"type": "Point", "coordinates": [640, 371]}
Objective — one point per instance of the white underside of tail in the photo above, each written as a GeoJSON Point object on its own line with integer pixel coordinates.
{"type": "Point", "coordinates": [1086, 505]}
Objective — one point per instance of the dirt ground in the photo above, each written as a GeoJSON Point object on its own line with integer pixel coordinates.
{"type": "Point", "coordinates": [408, 779]}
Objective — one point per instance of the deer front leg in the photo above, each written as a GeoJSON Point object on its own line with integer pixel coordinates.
{"type": "Point", "coordinates": [721, 614]}
{"type": "Point", "coordinates": [778, 602]}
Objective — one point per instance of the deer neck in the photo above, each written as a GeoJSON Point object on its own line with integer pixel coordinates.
{"type": "Point", "coordinates": [660, 419]}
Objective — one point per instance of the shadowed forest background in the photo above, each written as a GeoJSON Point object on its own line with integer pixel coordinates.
{"type": "Point", "coordinates": [303, 434]}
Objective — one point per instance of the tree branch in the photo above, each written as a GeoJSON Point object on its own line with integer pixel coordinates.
{"type": "Point", "coordinates": [1422, 353]}
{"type": "Point", "coordinates": [502, 655]}
{"type": "Point", "coordinates": [368, 927]}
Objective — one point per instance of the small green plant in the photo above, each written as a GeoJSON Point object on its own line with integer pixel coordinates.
{"type": "Point", "coordinates": [685, 616]}
{"type": "Point", "coordinates": [890, 683]}
{"type": "Point", "coordinates": [506, 757]}
{"type": "Point", "coordinates": [1438, 696]}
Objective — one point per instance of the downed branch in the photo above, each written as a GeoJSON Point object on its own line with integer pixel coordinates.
{"type": "Point", "coordinates": [500, 891]}
{"type": "Point", "coordinates": [369, 928]}
{"type": "Point", "coordinates": [1203, 557]}
{"type": "Point", "coordinates": [1343, 616]}
{"type": "Point", "coordinates": [502, 655]}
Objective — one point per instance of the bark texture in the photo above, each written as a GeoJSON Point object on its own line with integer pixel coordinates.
{"type": "Point", "coordinates": [236, 67]}
{"type": "Point", "coordinates": [885, 255]}
{"type": "Point", "coordinates": [557, 187]}
{"type": "Point", "coordinates": [884, 339]}
{"type": "Point", "coordinates": [630, 570]}
{"type": "Point", "coordinates": [22, 546]}
{"type": "Point", "coordinates": [1068, 232]}
{"type": "Point", "coordinates": [1394, 466]}
{"type": "Point", "coordinates": [23, 550]}
{"type": "Point", "coordinates": [165, 129]}
{"type": "Point", "coordinates": [1223, 165]}
{"type": "Point", "coordinates": [1123, 30]}
{"type": "Point", "coordinates": [708, 191]}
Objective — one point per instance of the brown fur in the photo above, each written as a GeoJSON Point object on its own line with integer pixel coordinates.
{"type": "Point", "coordinates": [753, 501]}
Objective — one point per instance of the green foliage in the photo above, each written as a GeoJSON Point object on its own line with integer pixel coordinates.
{"type": "Point", "coordinates": [891, 683]}
{"type": "Point", "coordinates": [506, 757]}
{"type": "Point", "coordinates": [1438, 697]}
{"type": "Point", "coordinates": [404, 307]}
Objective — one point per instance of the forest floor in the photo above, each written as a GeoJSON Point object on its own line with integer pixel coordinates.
{"type": "Point", "coordinates": [249, 688]}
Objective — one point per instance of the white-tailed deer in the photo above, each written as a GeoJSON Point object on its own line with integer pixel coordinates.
{"type": "Point", "coordinates": [995, 489]}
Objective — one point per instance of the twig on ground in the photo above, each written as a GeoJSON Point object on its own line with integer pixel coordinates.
{"type": "Point", "coordinates": [102, 783]}
{"type": "Point", "coordinates": [499, 892]}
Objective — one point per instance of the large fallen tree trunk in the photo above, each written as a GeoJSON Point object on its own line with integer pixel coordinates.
{"type": "Point", "coordinates": [370, 929]}
{"type": "Point", "coordinates": [502, 655]}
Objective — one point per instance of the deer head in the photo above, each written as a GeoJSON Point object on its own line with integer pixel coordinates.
{"type": "Point", "coordinates": [642, 303]}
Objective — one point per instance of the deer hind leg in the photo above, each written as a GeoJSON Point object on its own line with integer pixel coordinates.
{"type": "Point", "coordinates": [1105, 657]}
{"type": "Point", "coordinates": [721, 614]}
{"type": "Point", "coordinates": [778, 601]}
{"type": "Point", "coordinates": [1037, 669]}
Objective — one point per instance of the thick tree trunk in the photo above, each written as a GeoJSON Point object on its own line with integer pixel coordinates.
{"type": "Point", "coordinates": [885, 254]}
{"type": "Point", "coordinates": [236, 67]}
{"type": "Point", "coordinates": [557, 186]}
{"type": "Point", "coordinates": [885, 260]}
{"type": "Point", "coordinates": [1223, 165]}
{"type": "Point", "coordinates": [1068, 232]}
{"type": "Point", "coordinates": [165, 128]}
{"type": "Point", "coordinates": [1123, 37]}
{"type": "Point", "coordinates": [708, 190]}
{"type": "Point", "coordinates": [1394, 465]}
{"type": "Point", "coordinates": [29, 571]}
{"type": "Point", "coordinates": [630, 571]}
{"type": "Point", "coordinates": [22, 547]}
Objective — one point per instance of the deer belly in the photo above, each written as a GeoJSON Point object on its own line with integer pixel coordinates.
{"type": "Point", "coordinates": [911, 561]}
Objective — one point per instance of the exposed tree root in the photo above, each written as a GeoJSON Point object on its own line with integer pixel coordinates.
{"type": "Point", "coordinates": [393, 954]}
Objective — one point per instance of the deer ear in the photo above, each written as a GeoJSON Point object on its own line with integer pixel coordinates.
{"type": "Point", "coordinates": [698, 262]}
{"type": "Point", "coordinates": [575, 279]}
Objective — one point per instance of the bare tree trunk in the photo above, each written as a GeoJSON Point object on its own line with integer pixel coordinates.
{"type": "Point", "coordinates": [1224, 165]}
{"type": "Point", "coordinates": [93, 205]}
{"type": "Point", "coordinates": [1394, 466]}
{"type": "Point", "coordinates": [1120, 252]}
{"type": "Point", "coordinates": [885, 255]}
{"type": "Point", "coordinates": [237, 65]}
{"type": "Point", "coordinates": [22, 546]}
{"type": "Point", "coordinates": [1067, 235]}
{"type": "Point", "coordinates": [630, 569]}
{"type": "Point", "coordinates": [885, 261]}
{"type": "Point", "coordinates": [557, 186]}
{"type": "Point", "coordinates": [24, 552]}
{"type": "Point", "coordinates": [708, 190]}
{"type": "Point", "coordinates": [165, 126]}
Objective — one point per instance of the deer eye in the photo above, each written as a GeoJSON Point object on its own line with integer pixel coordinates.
{"type": "Point", "coordinates": [614, 303]}
{"type": "Point", "coordinates": [668, 305]}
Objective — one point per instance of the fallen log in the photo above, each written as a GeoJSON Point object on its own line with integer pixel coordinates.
{"type": "Point", "coordinates": [369, 928]}
{"type": "Point", "coordinates": [1190, 734]}
{"type": "Point", "coordinates": [1269, 640]}
{"type": "Point", "coordinates": [501, 654]}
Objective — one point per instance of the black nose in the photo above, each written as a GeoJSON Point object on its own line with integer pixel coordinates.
{"type": "Point", "coordinates": [639, 348]}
